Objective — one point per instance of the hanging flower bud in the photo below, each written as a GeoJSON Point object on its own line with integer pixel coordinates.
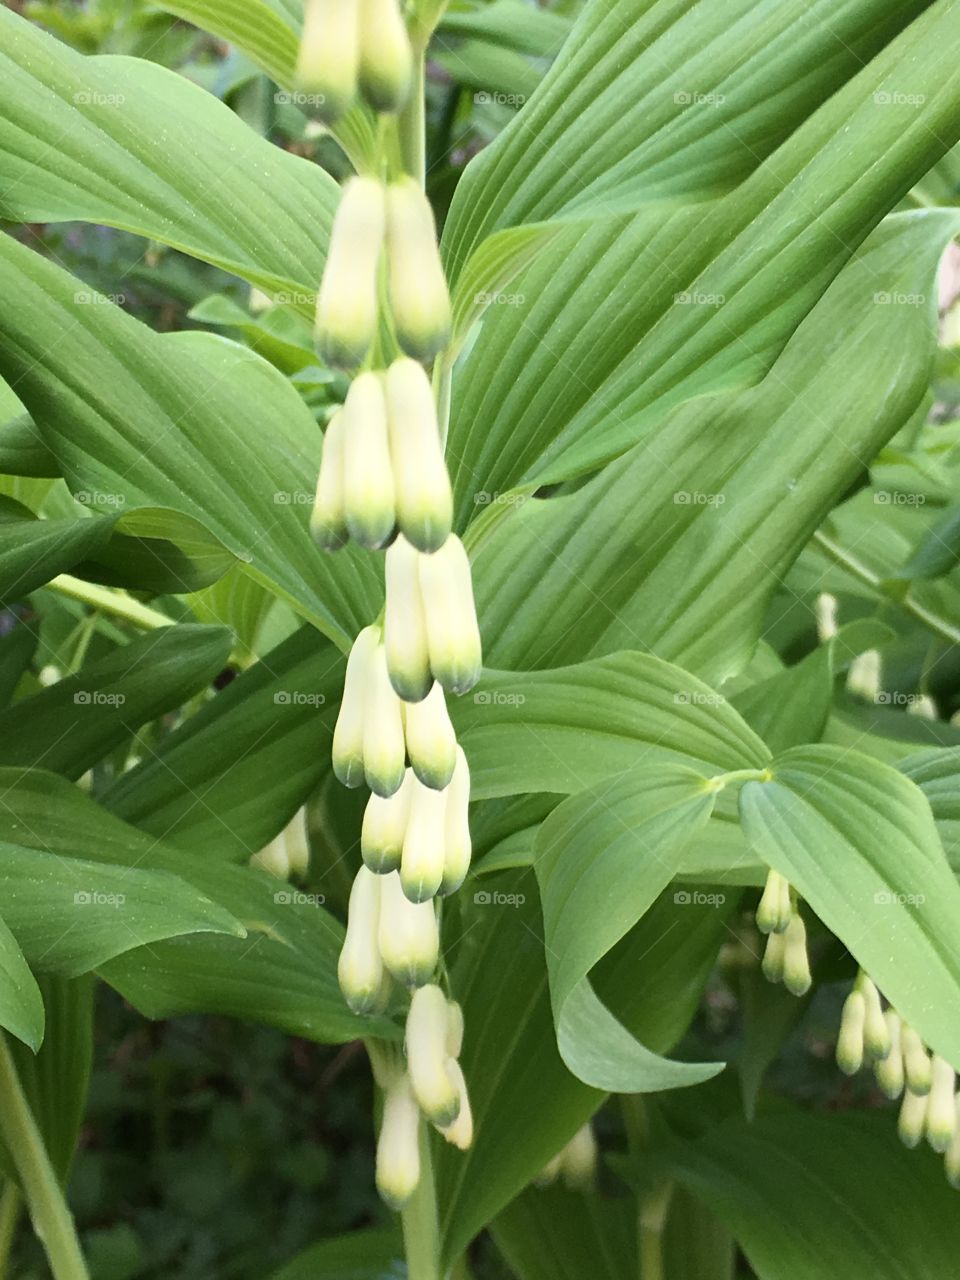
{"type": "Point", "coordinates": [398, 1147]}
{"type": "Point", "coordinates": [916, 1061]}
{"type": "Point", "coordinates": [426, 1034]}
{"type": "Point", "coordinates": [360, 969]}
{"type": "Point", "coordinates": [431, 741]}
{"type": "Point", "coordinates": [773, 957]}
{"type": "Point", "coordinates": [327, 60]}
{"type": "Point", "coordinates": [384, 824]}
{"type": "Point", "coordinates": [367, 474]}
{"type": "Point", "coordinates": [456, 837]}
{"type": "Point", "coordinates": [775, 910]}
{"type": "Point", "coordinates": [418, 288]}
{"type": "Point", "coordinates": [348, 735]}
{"type": "Point", "coordinates": [409, 936]}
{"type": "Point", "coordinates": [796, 962]}
{"type": "Point", "coordinates": [460, 1133]}
{"type": "Point", "coordinates": [386, 59]}
{"type": "Point", "coordinates": [578, 1164]}
{"type": "Point", "coordinates": [876, 1037]}
{"type": "Point", "coordinates": [453, 637]}
{"type": "Point", "coordinates": [941, 1116]}
{"type": "Point", "coordinates": [384, 750]}
{"type": "Point", "coordinates": [424, 499]}
{"type": "Point", "coordinates": [421, 869]}
{"type": "Point", "coordinates": [404, 626]}
{"type": "Point", "coordinates": [850, 1039]}
{"type": "Point", "coordinates": [951, 1160]}
{"type": "Point", "coordinates": [912, 1118]}
{"type": "Point", "coordinates": [347, 305]}
{"type": "Point", "coordinates": [889, 1070]}
{"type": "Point", "coordinates": [328, 523]}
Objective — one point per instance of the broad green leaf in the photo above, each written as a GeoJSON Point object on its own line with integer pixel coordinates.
{"type": "Point", "coordinates": [69, 726]}
{"type": "Point", "coordinates": [602, 859]}
{"type": "Point", "coordinates": [126, 142]}
{"type": "Point", "coordinates": [552, 1234]}
{"type": "Point", "coordinates": [937, 774]}
{"type": "Point", "coordinates": [858, 841]}
{"type": "Point", "coordinates": [21, 1004]}
{"type": "Point", "coordinates": [375, 1253]}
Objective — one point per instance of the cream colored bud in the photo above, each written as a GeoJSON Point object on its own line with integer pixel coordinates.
{"type": "Point", "coordinates": [418, 288]}
{"type": "Point", "coordinates": [328, 524]}
{"type": "Point", "coordinates": [775, 910]}
{"type": "Point", "coordinates": [384, 749]}
{"type": "Point", "coordinates": [916, 1061]}
{"type": "Point", "coordinates": [427, 1058]}
{"type": "Point", "coordinates": [941, 1117]}
{"type": "Point", "coordinates": [850, 1039]}
{"type": "Point", "coordinates": [454, 1029]}
{"type": "Point", "coordinates": [348, 736]}
{"type": "Point", "coordinates": [409, 934]}
{"type": "Point", "coordinates": [367, 473]}
{"type": "Point", "coordinates": [424, 497]}
{"type": "Point", "coordinates": [912, 1118]}
{"type": "Point", "coordinates": [876, 1037]}
{"type": "Point", "coordinates": [405, 626]}
{"type": "Point", "coordinates": [457, 847]}
{"type": "Point", "coordinates": [384, 825]}
{"type": "Point", "coordinates": [773, 957]}
{"type": "Point", "coordinates": [453, 637]}
{"type": "Point", "coordinates": [578, 1165]}
{"type": "Point", "coordinates": [951, 1159]}
{"type": "Point", "coordinates": [398, 1147]}
{"type": "Point", "coordinates": [327, 60]}
{"type": "Point", "coordinates": [360, 969]}
{"type": "Point", "coordinates": [386, 59]}
{"type": "Point", "coordinates": [348, 302]}
{"type": "Point", "coordinates": [796, 962]}
{"type": "Point", "coordinates": [431, 741]}
{"type": "Point", "coordinates": [889, 1070]}
{"type": "Point", "coordinates": [460, 1133]}
{"type": "Point", "coordinates": [421, 869]}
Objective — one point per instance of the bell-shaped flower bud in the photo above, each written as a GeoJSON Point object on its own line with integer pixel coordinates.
{"type": "Point", "coordinates": [348, 302]}
{"type": "Point", "coordinates": [398, 1147]}
{"type": "Point", "coordinates": [360, 968]}
{"type": "Point", "coordinates": [454, 1040]}
{"type": "Point", "coordinates": [773, 957]}
{"type": "Point", "coordinates": [328, 524]}
{"type": "Point", "coordinates": [419, 299]}
{"type": "Point", "coordinates": [796, 962]}
{"type": "Point", "coordinates": [453, 637]}
{"type": "Point", "coordinates": [941, 1118]}
{"type": "Point", "coordinates": [367, 474]}
{"type": "Point", "coordinates": [456, 839]}
{"type": "Point", "coordinates": [876, 1036]}
{"type": "Point", "coordinates": [424, 498]}
{"type": "Point", "coordinates": [421, 869]}
{"type": "Point", "coordinates": [889, 1070]}
{"type": "Point", "coordinates": [460, 1133]}
{"type": "Point", "coordinates": [916, 1061]}
{"type": "Point", "coordinates": [348, 736]}
{"type": "Point", "coordinates": [579, 1160]}
{"type": "Point", "coordinates": [327, 60]}
{"type": "Point", "coordinates": [850, 1039]}
{"type": "Point", "coordinates": [951, 1159]}
{"type": "Point", "coordinates": [384, 826]}
{"type": "Point", "coordinates": [425, 1038]}
{"type": "Point", "coordinates": [386, 59]}
{"type": "Point", "coordinates": [384, 749]}
{"type": "Point", "coordinates": [912, 1119]}
{"type": "Point", "coordinates": [409, 934]}
{"type": "Point", "coordinates": [405, 625]}
{"type": "Point", "coordinates": [775, 909]}
{"type": "Point", "coordinates": [431, 741]}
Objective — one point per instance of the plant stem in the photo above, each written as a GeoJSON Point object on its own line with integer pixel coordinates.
{"type": "Point", "coordinates": [111, 601]}
{"type": "Point", "coordinates": [52, 1220]}
{"type": "Point", "coordinates": [9, 1217]}
{"type": "Point", "coordinates": [421, 1230]}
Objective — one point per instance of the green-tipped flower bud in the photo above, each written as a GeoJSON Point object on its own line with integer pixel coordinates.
{"type": "Point", "coordinates": [850, 1039]}
{"type": "Point", "coordinates": [409, 936]}
{"type": "Point", "coordinates": [916, 1061]}
{"type": "Point", "coordinates": [951, 1160]}
{"type": "Point", "coordinates": [431, 741]}
{"type": "Point", "coordinates": [384, 749]}
{"type": "Point", "coordinates": [424, 498]}
{"type": "Point", "coordinates": [421, 869]}
{"type": "Point", "coordinates": [418, 288]}
{"type": "Point", "coordinates": [460, 1133]}
{"type": "Point", "coordinates": [773, 957]}
{"type": "Point", "coordinates": [889, 1070]}
{"type": "Point", "coordinates": [398, 1147]}
{"type": "Point", "coordinates": [347, 305]}
{"type": "Point", "coordinates": [453, 637]}
{"type": "Point", "coordinates": [775, 910]}
{"type": "Point", "coordinates": [427, 1058]}
{"type": "Point", "coordinates": [405, 625]}
{"type": "Point", "coordinates": [328, 523]}
{"type": "Point", "coordinates": [386, 59]}
{"type": "Point", "coordinates": [348, 735]}
{"type": "Point", "coordinates": [327, 61]}
{"type": "Point", "coordinates": [796, 962]}
{"type": "Point", "coordinates": [454, 1040]}
{"type": "Point", "coordinates": [941, 1118]}
{"type": "Point", "coordinates": [384, 825]}
{"type": "Point", "coordinates": [367, 474]}
{"type": "Point", "coordinates": [876, 1037]}
{"type": "Point", "coordinates": [578, 1165]}
{"type": "Point", "coordinates": [912, 1118]}
{"type": "Point", "coordinates": [360, 969]}
{"type": "Point", "coordinates": [456, 837]}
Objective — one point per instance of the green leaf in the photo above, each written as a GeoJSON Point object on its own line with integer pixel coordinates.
{"type": "Point", "coordinates": [21, 1004]}
{"type": "Point", "coordinates": [858, 841]}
